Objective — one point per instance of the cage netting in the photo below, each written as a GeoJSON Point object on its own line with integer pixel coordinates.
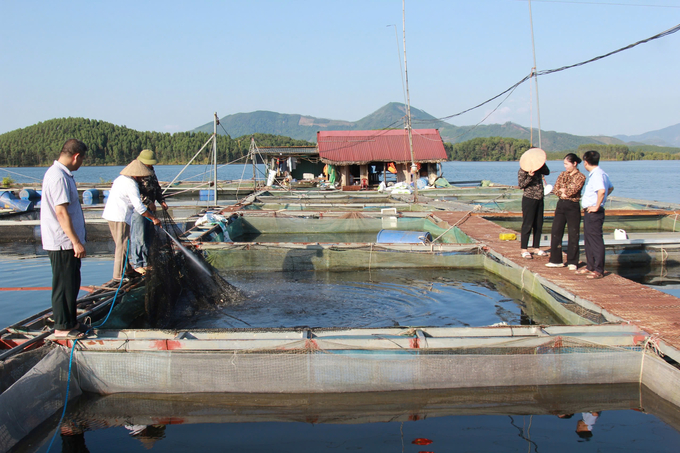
{"type": "Point", "coordinates": [179, 281]}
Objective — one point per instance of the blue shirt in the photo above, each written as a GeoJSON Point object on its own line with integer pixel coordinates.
{"type": "Point", "coordinates": [597, 180]}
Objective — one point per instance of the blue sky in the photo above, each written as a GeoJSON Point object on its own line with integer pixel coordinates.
{"type": "Point", "coordinates": [168, 65]}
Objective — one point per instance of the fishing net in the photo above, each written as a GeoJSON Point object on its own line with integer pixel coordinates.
{"type": "Point", "coordinates": [180, 282]}
{"type": "Point", "coordinates": [333, 362]}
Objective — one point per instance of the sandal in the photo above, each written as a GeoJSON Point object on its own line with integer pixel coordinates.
{"type": "Point", "coordinates": [541, 253]}
{"type": "Point", "coordinates": [595, 275]}
{"type": "Point", "coordinates": [583, 271]}
{"type": "Point", "coordinates": [84, 328]}
{"type": "Point", "coordinates": [527, 255]}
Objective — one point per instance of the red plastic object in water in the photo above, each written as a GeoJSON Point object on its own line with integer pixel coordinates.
{"type": "Point", "coordinates": [421, 441]}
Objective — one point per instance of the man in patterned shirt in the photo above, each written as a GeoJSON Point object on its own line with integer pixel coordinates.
{"type": "Point", "coordinates": [141, 230]}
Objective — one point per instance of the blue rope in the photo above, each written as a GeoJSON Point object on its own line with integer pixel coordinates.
{"type": "Point", "coordinates": [115, 296]}
{"type": "Point", "coordinates": [73, 348]}
{"type": "Point", "coordinates": [68, 387]}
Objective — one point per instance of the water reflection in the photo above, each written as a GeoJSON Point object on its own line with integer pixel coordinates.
{"type": "Point", "coordinates": [528, 418]}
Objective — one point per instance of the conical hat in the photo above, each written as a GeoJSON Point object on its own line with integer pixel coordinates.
{"type": "Point", "coordinates": [136, 168]}
{"type": "Point", "coordinates": [532, 159]}
{"type": "Point", "coordinates": [147, 157]}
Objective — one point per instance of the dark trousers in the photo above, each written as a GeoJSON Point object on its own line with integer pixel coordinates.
{"type": "Point", "coordinates": [65, 288]}
{"type": "Point", "coordinates": [566, 213]}
{"type": "Point", "coordinates": [594, 243]}
{"type": "Point", "coordinates": [532, 221]}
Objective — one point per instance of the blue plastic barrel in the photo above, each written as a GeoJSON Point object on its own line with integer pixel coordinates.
{"type": "Point", "coordinates": [206, 195]}
{"type": "Point", "coordinates": [9, 200]}
{"type": "Point", "coordinates": [29, 194]}
{"type": "Point", "coordinates": [403, 237]}
{"type": "Point", "coordinates": [90, 196]}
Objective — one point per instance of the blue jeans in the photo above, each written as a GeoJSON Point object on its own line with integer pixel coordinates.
{"type": "Point", "coordinates": [141, 237]}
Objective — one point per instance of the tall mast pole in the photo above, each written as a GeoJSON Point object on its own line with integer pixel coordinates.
{"type": "Point", "coordinates": [533, 47]}
{"type": "Point", "coordinates": [408, 107]}
{"type": "Point", "coordinates": [251, 151]}
{"type": "Point", "coordinates": [216, 121]}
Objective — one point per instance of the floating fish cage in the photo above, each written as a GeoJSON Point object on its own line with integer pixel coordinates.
{"type": "Point", "coordinates": [593, 348]}
{"type": "Point", "coordinates": [306, 361]}
{"type": "Point", "coordinates": [293, 243]}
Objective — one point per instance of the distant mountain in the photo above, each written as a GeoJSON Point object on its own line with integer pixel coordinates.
{"type": "Point", "coordinates": [390, 116]}
{"type": "Point", "coordinates": [304, 127]}
{"type": "Point", "coordinates": [300, 127]}
{"type": "Point", "coordinates": [668, 136]}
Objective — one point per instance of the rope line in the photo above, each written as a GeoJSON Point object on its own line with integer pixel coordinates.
{"type": "Point", "coordinates": [115, 296]}
{"type": "Point", "coordinates": [68, 387]}
{"type": "Point", "coordinates": [19, 174]}
{"type": "Point", "coordinates": [477, 207]}
{"type": "Point", "coordinates": [652, 343]}
{"type": "Point", "coordinates": [574, 2]}
{"type": "Point", "coordinates": [563, 68]}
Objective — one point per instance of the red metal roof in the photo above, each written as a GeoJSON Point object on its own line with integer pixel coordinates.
{"type": "Point", "coordinates": [361, 147]}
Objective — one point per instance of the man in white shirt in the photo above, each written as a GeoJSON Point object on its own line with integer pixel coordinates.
{"type": "Point", "coordinates": [62, 229]}
{"type": "Point", "coordinates": [584, 428]}
{"type": "Point", "coordinates": [597, 189]}
{"type": "Point", "coordinates": [122, 200]}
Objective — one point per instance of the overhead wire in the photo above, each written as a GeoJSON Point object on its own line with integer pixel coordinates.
{"type": "Point", "coordinates": [601, 3]}
{"type": "Point", "coordinates": [384, 130]}
{"type": "Point", "coordinates": [19, 174]}
{"type": "Point", "coordinates": [563, 68]}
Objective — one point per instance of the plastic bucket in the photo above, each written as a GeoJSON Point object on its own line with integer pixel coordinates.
{"type": "Point", "coordinates": [90, 196]}
{"type": "Point", "coordinates": [403, 237]}
{"type": "Point", "coordinates": [29, 194]}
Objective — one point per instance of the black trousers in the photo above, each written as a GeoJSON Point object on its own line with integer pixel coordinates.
{"type": "Point", "coordinates": [65, 288]}
{"type": "Point", "coordinates": [532, 221]}
{"type": "Point", "coordinates": [566, 213]}
{"type": "Point", "coordinates": [594, 243]}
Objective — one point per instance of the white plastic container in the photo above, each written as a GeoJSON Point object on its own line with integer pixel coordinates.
{"type": "Point", "coordinates": [620, 234]}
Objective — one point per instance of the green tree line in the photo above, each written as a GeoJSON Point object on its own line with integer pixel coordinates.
{"type": "Point", "coordinates": [495, 149]}
{"type": "Point", "coordinates": [623, 152]}
{"type": "Point", "coordinates": [108, 144]}
{"type": "Point", "coordinates": [487, 149]}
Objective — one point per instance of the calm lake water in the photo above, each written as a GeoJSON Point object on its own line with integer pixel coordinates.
{"type": "Point", "coordinates": [644, 179]}
{"type": "Point", "coordinates": [616, 430]}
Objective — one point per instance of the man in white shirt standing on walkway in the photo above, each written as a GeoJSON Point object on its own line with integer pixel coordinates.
{"type": "Point", "coordinates": [123, 199]}
{"type": "Point", "coordinates": [597, 188]}
{"type": "Point", "coordinates": [62, 230]}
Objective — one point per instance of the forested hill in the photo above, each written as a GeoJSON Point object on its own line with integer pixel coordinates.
{"type": "Point", "coordinates": [496, 149]}
{"type": "Point", "coordinates": [108, 144]}
{"type": "Point", "coordinates": [391, 116]}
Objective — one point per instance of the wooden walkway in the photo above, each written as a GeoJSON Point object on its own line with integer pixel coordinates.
{"type": "Point", "coordinates": [655, 312]}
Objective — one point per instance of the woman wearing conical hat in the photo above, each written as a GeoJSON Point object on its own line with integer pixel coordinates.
{"type": "Point", "coordinates": [123, 199]}
{"type": "Point", "coordinates": [530, 178]}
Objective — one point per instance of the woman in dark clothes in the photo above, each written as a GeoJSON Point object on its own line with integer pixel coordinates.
{"type": "Point", "coordinates": [530, 179]}
{"type": "Point", "coordinates": [568, 211]}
